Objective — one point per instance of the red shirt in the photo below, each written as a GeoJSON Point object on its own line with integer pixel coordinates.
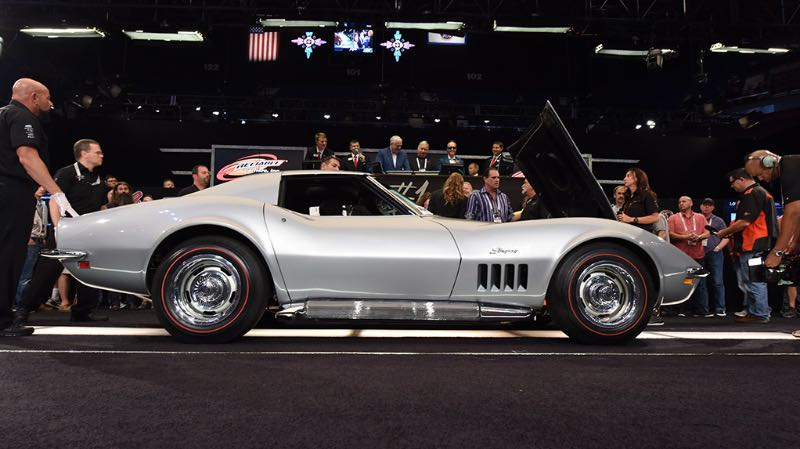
{"type": "Point", "coordinates": [686, 225]}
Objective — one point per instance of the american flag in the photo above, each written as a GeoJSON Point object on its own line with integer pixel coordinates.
{"type": "Point", "coordinates": [263, 46]}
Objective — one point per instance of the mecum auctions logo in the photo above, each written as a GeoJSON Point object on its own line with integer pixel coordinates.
{"type": "Point", "coordinates": [248, 165]}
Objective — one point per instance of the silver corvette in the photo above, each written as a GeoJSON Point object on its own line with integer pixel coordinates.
{"type": "Point", "coordinates": [341, 246]}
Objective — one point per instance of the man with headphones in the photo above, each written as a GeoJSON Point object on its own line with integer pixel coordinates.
{"type": "Point", "coordinates": [768, 166]}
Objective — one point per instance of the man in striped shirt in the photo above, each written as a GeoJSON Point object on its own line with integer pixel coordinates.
{"type": "Point", "coordinates": [489, 203]}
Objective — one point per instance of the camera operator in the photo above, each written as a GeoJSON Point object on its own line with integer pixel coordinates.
{"type": "Point", "coordinates": [768, 166]}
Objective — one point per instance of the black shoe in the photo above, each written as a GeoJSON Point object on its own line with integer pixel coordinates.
{"type": "Point", "coordinates": [14, 330]}
{"type": "Point", "coordinates": [88, 318]}
{"type": "Point", "coordinates": [21, 316]}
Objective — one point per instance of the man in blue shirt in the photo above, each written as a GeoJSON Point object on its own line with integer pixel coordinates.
{"type": "Point", "coordinates": [489, 203]}
{"type": "Point", "coordinates": [714, 258]}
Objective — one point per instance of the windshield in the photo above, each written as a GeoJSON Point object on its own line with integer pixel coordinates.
{"type": "Point", "coordinates": [417, 209]}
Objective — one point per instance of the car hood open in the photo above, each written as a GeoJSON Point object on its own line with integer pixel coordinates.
{"type": "Point", "coordinates": [550, 160]}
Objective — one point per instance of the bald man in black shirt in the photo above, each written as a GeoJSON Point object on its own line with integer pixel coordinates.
{"type": "Point", "coordinates": [23, 167]}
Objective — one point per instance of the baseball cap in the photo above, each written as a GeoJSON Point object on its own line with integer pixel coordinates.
{"type": "Point", "coordinates": [708, 201]}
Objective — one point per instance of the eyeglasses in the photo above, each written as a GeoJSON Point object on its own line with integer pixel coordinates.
{"type": "Point", "coordinates": [451, 148]}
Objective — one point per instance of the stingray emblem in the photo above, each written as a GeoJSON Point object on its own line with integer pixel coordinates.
{"type": "Point", "coordinates": [494, 251]}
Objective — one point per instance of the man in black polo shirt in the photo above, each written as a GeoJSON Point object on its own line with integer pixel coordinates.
{"type": "Point", "coordinates": [753, 232]}
{"type": "Point", "coordinates": [23, 166]}
{"type": "Point", "coordinates": [87, 192]}
{"type": "Point", "coordinates": [201, 178]}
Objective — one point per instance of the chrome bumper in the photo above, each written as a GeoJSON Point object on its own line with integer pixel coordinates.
{"type": "Point", "coordinates": [696, 272]}
{"type": "Point", "coordinates": [62, 255]}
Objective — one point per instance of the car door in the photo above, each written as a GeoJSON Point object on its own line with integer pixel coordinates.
{"type": "Point", "coordinates": [339, 236]}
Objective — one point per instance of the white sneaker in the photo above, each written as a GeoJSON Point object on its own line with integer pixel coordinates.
{"type": "Point", "coordinates": [721, 314]}
{"type": "Point", "coordinates": [741, 313]}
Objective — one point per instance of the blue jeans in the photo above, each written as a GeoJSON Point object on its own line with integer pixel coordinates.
{"type": "Point", "coordinates": [755, 302]}
{"type": "Point", "coordinates": [27, 270]}
{"type": "Point", "coordinates": [716, 287]}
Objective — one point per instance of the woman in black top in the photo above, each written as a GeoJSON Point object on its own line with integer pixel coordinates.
{"type": "Point", "coordinates": [641, 207]}
{"type": "Point", "coordinates": [450, 201]}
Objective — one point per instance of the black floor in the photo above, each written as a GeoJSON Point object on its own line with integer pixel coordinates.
{"type": "Point", "coordinates": [143, 392]}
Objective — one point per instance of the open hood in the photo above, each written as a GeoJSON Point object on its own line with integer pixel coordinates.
{"type": "Point", "coordinates": [550, 160]}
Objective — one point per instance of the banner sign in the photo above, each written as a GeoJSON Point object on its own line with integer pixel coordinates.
{"type": "Point", "coordinates": [414, 185]}
{"type": "Point", "coordinates": [229, 162]}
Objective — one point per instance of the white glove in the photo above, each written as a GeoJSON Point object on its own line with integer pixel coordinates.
{"type": "Point", "coordinates": [63, 205]}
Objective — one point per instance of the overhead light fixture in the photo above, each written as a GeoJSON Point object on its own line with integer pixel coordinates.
{"type": "Point", "coordinates": [326, 116]}
{"type": "Point", "coordinates": [64, 32]}
{"type": "Point", "coordinates": [180, 36]}
{"type": "Point", "coordinates": [601, 50]}
{"type": "Point", "coordinates": [721, 48]}
{"type": "Point", "coordinates": [283, 23]}
{"type": "Point", "coordinates": [518, 29]}
{"type": "Point", "coordinates": [243, 121]}
{"type": "Point", "coordinates": [651, 124]}
{"type": "Point", "coordinates": [448, 26]}
{"type": "Point", "coordinates": [198, 108]}
{"type": "Point", "coordinates": [275, 115]}
{"type": "Point", "coordinates": [638, 126]}
{"type": "Point", "coordinates": [377, 117]}
{"type": "Point", "coordinates": [437, 120]}
{"type": "Point", "coordinates": [487, 121]}
{"type": "Point", "coordinates": [215, 113]}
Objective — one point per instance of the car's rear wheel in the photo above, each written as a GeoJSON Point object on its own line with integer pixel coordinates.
{"type": "Point", "coordinates": [210, 290]}
{"type": "Point", "coordinates": [601, 294]}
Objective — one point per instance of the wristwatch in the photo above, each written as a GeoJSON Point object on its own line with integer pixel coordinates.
{"type": "Point", "coordinates": [636, 220]}
{"type": "Point", "coordinates": [779, 252]}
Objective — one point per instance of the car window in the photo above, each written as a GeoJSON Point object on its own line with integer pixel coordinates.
{"type": "Point", "coordinates": [330, 195]}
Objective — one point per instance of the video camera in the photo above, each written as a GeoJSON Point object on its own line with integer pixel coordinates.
{"type": "Point", "coordinates": [786, 273]}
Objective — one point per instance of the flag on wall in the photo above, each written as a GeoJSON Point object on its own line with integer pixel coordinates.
{"type": "Point", "coordinates": [263, 46]}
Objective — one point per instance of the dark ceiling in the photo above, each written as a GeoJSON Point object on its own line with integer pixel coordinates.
{"type": "Point", "coordinates": [502, 78]}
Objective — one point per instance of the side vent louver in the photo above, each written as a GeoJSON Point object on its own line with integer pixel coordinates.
{"type": "Point", "coordinates": [502, 278]}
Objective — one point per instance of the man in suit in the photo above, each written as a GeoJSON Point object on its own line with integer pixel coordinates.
{"type": "Point", "coordinates": [356, 161]}
{"type": "Point", "coordinates": [501, 161]}
{"type": "Point", "coordinates": [393, 158]}
{"type": "Point", "coordinates": [451, 157]}
{"type": "Point", "coordinates": [422, 162]}
{"type": "Point", "coordinates": [320, 149]}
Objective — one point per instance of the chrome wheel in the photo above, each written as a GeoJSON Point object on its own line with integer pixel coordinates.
{"type": "Point", "coordinates": [203, 291]}
{"type": "Point", "coordinates": [607, 294]}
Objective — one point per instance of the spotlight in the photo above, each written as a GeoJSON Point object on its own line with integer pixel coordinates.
{"type": "Point", "coordinates": [326, 116]}
{"type": "Point", "coordinates": [377, 117]}
{"type": "Point", "coordinates": [158, 110]}
{"type": "Point", "coordinates": [198, 108]}
{"type": "Point", "coordinates": [638, 126]}
{"type": "Point", "coordinates": [139, 107]}
{"type": "Point", "coordinates": [436, 120]}
{"type": "Point", "coordinates": [651, 124]}
{"type": "Point", "coordinates": [243, 122]}
{"type": "Point", "coordinates": [215, 113]}
{"type": "Point", "coordinates": [486, 121]}
{"type": "Point", "coordinates": [274, 115]}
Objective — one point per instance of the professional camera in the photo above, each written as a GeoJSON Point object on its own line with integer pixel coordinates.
{"type": "Point", "coordinates": [786, 273]}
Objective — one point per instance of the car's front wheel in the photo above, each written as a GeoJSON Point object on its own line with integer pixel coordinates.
{"type": "Point", "coordinates": [601, 294]}
{"type": "Point", "coordinates": [210, 290]}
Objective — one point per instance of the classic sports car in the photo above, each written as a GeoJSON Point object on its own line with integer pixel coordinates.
{"type": "Point", "coordinates": [341, 246]}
